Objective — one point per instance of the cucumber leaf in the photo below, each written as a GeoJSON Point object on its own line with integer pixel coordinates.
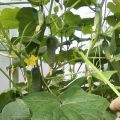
{"type": "Point", "coordinates": [73, 104]}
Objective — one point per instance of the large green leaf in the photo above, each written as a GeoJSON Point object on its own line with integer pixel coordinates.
{"type": "Point", "coordinates": [41, 105]}
{"type": "Point", "coordinates": [16, 110]}
{"type": "Point", "coordinates": [73, 104]}
{"type": "Point", "coordinates": [28, 20]}
{"type": "Point", "coordinates": [6, 97]}
{"type": "Point", "coordinates": [8, 18]}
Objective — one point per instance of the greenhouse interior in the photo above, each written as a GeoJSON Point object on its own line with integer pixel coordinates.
{"type": "Point", "coordinates": [59, 59]}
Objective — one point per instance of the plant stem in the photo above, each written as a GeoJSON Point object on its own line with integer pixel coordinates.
{"type": "Point", "coordinates": [72, 6]}
{"type": "Point", "coordinates": [8, 40]}
{"type": "Point", "coordinates": [102, 3]}
{"type": "Point", "coordinates": [13, 82]}
{"type": "Point", "coordinates": [5, 48]}
{"type": "Point", "coordinates": [110, 30]}
{"type": "Point", "coordinates": [50, 11]}
{"type": "Point", "coordinates": [43, 80]}
{"type": "Point", "coordinates": [13, 3]}
{"type": "Point", "coordinates": [98, 26]}
{"type": "Point", "coordinates": [78, 59]}
{"type": "Point", "coordinates": [62, 75]}
{"type": "Point", "coordinates": [105, 80]}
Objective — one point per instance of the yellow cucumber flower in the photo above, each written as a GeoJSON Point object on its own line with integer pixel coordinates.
{"type": "Point", "coordinates": [31, 61]}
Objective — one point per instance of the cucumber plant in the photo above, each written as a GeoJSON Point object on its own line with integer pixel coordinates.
{"type": "Point", "coordinates": [81, 80]}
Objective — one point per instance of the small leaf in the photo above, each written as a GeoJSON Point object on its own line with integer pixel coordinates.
{"type": "Point", "coordinates": [68, 55]}
{"type": "Point", "coordinates": [56, 9]}
{"type": "Point", "coordinates": [61, 7]}
{"type": "Point", "coordinates": [86, 25]}
{"type": "Point", "coordinates": [87, 21]}
{"type": "Point", "coordinates": [107, 74]}
{"type": "Point", "coordinates": [68, 30]}
{"type": "Point", "coordinates": [45, 2]}
{"type": "Point", "coordinates": [57, 1]}
{"type": "Point", "coordinates": [16, 110]}
{"type": "Point", "coordinates": [112, 20]}
{"type": "Point", "coordinates": [86, 29]}
{"type": "Point", "coordinates": [71, 19]}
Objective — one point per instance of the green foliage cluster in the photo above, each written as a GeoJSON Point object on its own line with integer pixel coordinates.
{"type": "Point", "coordinates": [52, 97]}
